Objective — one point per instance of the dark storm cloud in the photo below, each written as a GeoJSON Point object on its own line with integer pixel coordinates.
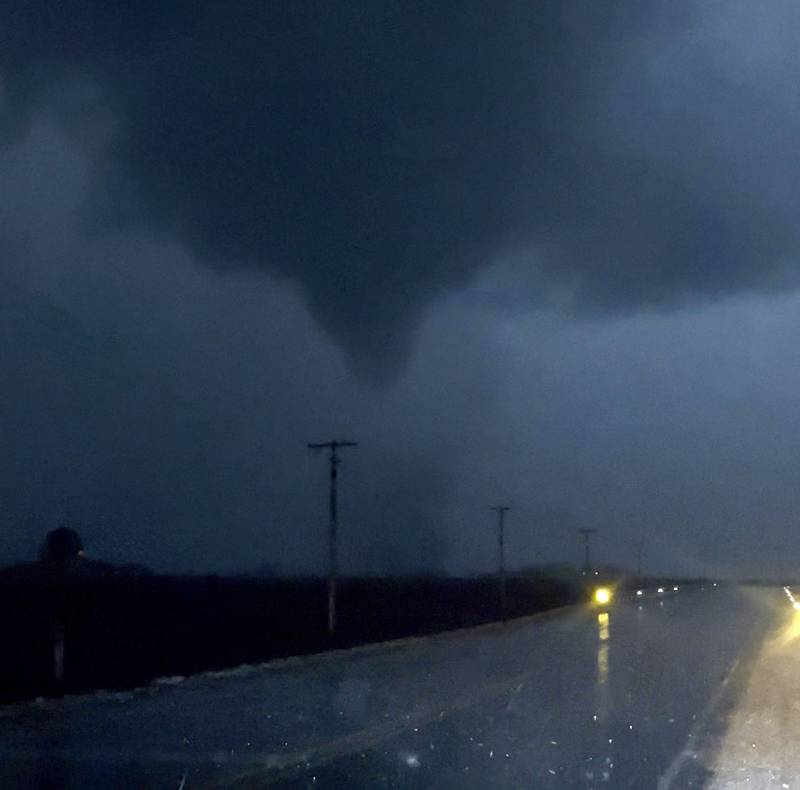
{"type": "Point", "coordinates": [380, 153]}
{"type": "Point", "coordinates": [358, 167]}
{"type": "Point", "coordinates": [166, 408]}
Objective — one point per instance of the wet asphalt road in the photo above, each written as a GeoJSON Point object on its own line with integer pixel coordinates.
{"type": "Point", "coordinates": [625, 696]}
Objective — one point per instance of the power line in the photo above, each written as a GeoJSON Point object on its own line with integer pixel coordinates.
{"type": "Point", "coordinates": [333, 529]}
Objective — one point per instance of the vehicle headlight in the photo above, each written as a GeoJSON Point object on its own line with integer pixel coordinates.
{"type": "Point", "coordinates": [602, 595]}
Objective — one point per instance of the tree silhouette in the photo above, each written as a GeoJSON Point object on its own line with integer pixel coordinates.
{"type": "Point", "coordinates": [61, 548]}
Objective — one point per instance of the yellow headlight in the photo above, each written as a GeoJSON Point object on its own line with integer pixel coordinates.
{"type": "Point", "coordinates": [602, 595]}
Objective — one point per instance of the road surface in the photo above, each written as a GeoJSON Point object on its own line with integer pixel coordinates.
{"type": "Point", "coordinates": [664, 691]}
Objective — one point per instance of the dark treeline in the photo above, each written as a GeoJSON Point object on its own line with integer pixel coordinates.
{"type": "Point", "coordinates": [122, 630]}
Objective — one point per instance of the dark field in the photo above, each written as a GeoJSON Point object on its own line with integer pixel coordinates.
{"type": "Point", "coordinates": [123, 632]}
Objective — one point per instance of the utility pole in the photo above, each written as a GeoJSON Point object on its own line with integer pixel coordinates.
{"type": "Point", "coordinates": [704, 559]}
{"type": "Point", "coordinates": [501, 511]}
{"type": "Point", "coordinates": [587, 563]}
{"type": "Point", "coordinates": [333, 530]}
{"type": "Point", "coordinates": [639, 550]}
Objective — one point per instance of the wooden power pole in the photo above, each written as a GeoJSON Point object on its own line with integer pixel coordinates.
{"type": "Point", "coordinates": [587, 557]}
{"type": "Point", "coordinates": [501, 511]}
{"type": "Point", "coordinates": [333, 529]}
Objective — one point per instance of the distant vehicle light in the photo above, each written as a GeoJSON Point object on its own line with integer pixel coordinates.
{"type": "Point", "coordinates": [602, 595]}
{"type": "Point", "coordinates": [675, 588]}
{"type": "Point", "coordinates": [715, 584]}
{"type": "Point", "coordinates": [639, 592]}
{"type": "Point", "coordinates": [661, 589]}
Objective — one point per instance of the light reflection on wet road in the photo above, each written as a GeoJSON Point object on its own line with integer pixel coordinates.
{"type": "Point", "coordinates": [592, 698]}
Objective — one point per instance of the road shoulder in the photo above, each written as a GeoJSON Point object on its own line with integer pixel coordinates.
{"type": "Point", "coordinates": [759, 748]}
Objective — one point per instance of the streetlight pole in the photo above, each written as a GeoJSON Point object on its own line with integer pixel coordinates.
{"type": "Point", "coordinates": [501, 511]}
{"type": "Point", "coordinates": [333, 527]}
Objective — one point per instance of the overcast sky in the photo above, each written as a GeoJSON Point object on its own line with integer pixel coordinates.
{"type": "Point", "coordinates": [539, 254]}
